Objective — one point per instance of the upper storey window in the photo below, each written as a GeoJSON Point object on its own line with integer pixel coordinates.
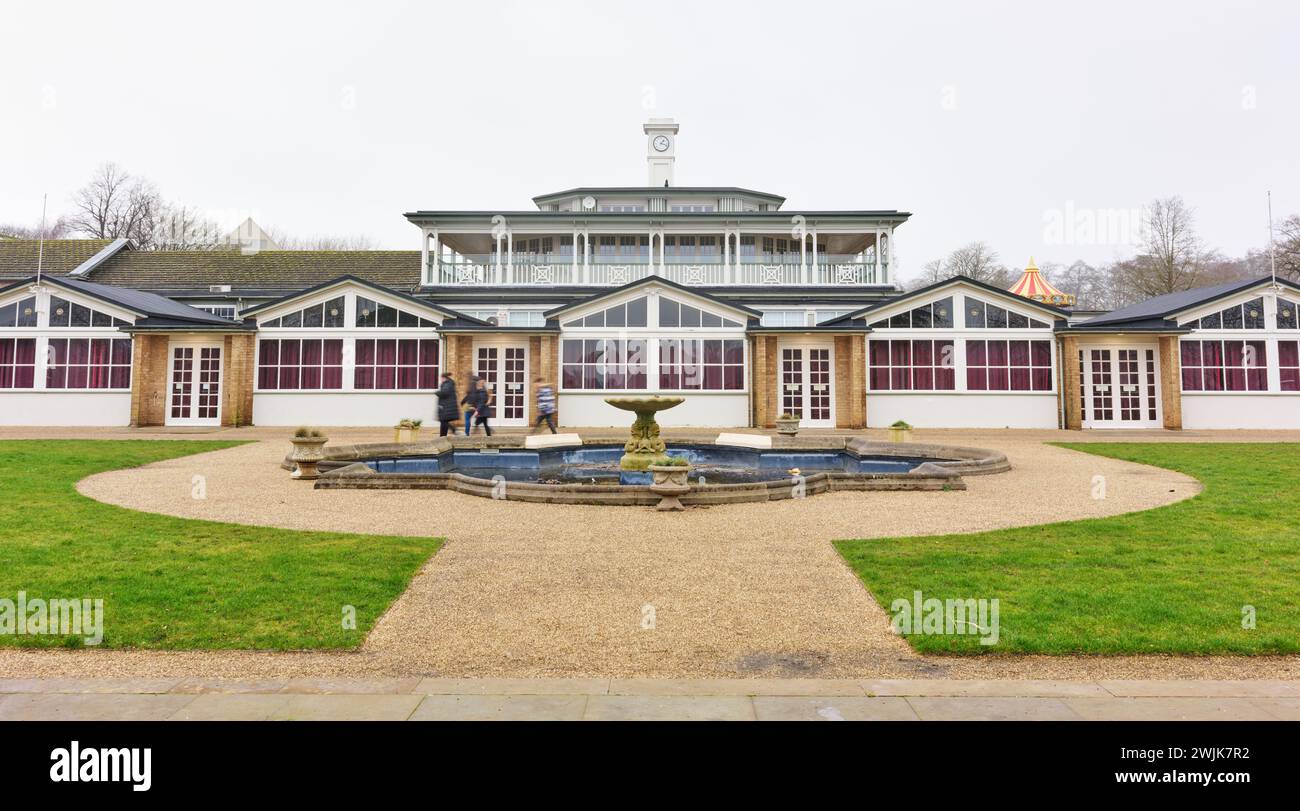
{"type": "Point", "coordinates": [1240, 316]}
{"type": "Point", "coordinates": [980, 315]}
{"type": "Point", "coordinates": [1286, 314]}
{"type": "Point", "coordinates": [623, 208]}
{"type": "Point", "coordinates": [374, 314]}
{"type": "Point", "coordinates": [325, 314]}
{"type": "Point", "coordinates": [693, 208]}
{"type": "Point", "coordinates": [19, 313]}
{"type": "Point", "coordinates": [675, 314]}
{"type": "Point", "coordinates": [64, 313]}
{"type": "Point", "coordinates": [628, 314]}
{"type": "Point", "coordinates": [936, 314]}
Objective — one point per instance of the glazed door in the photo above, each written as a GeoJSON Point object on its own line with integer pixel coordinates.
{"type": "Point", "coordinates": [1121, 388]}
{"type": "Point", "coordinates": [194, 385]}
{"type": "Point", "coordinates": [806, 389]}
{"type": "Point", "coordinates": [505, 368]}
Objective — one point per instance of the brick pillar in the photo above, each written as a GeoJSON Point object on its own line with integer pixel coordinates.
{"type": "Point", "coordinates": [148, 379]}
{"type": "Point", "coordinates": [1069, 387]}
{"type": "Point", "coordinates": [763, 381]}
{"type": "Point", "coordinates": [850, 381]}
{"type": "Point", "coordinates": [534, 370]}
{"type": "Point", "coordinates": [546, 365]}
{"type": "Point", "coordinates": [1171, 389]}
{"type": "Point", "coordinates": [463, 366]}
{"type": "Point", "coordinates": [237, 379]}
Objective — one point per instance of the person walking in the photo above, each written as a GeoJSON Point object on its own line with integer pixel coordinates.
{"type": "Point", "coordinates": [480, 401]}
{"type": "Point", "coordinates": [467, 404]}
{"type": "Point", "coordinates": [447, 413]}
{"type": "Point", "coordinates": [544, 395]}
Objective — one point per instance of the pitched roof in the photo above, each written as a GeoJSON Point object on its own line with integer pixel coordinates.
{"type": "Point", "coordinates": [1173, 303]}
{"type": "Point", "coordinates": [365, 283]}
{"type": "Point", "coordinates": [153, 310]}
{"type": "Point", "coordinates": [266, 270]}
{"type": "Point", "coordinates": [929, 288]}
{"type": "Point", "coordinates": [60, 256]}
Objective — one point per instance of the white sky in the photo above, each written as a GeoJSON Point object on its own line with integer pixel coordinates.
{"type": "Point", "coordinates": [982, 119]}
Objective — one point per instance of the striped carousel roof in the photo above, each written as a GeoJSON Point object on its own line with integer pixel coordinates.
{"type": "Point", "coordinates": [1032, 285]}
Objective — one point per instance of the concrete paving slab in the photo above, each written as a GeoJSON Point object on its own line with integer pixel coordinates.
{"type": "Point", "coordinates": [736, 687]}
{"type": "Point", "coordinates": [351, 686]}
{"type": "Point", "coordinates": [232, 707]}
{"type": "Point", "coordinates": [87, 685]}
{"type": "Point", "coordinates": [521, 687]}
{"type": "Point", "coordinates": [1263, 688]}
{"type": "Point", "coordinates": [1283, 709]}
{"type": "Point", "coordinates": [201, 686]}
{"type": "Point", "coordinates": [669, 708]}
{"type": "Point", "coordinates": [500, 708]}
{"type": "Point", "coordinates": [843, 708]}
{"type": "Point", "coordinates": [1182, 708]}
{"type": "Point", "coordinates": [972, 708]}
{"type": "Point", "coordinates": [982, 687]}
{"type": "Point", "coordinates": [90, 707]}
{"type": "Point", "coordinates": [347, 708]}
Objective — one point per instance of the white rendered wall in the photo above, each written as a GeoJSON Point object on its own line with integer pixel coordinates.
{"type": "Point", "coordinates": [65, 408]}
{"type": "Point", "coordinates": [964, 410]}
{"type": "Point", "coordinates": [704, 410]}
{"type": "Point", "coordinates": [343, 408]}
{"type": "Point", "coordinates": [1241, 410]}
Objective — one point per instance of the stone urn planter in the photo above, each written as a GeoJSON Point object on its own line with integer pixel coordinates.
{"type": "Point", "coordinates": [307, 445]}
{"type": "Point", "coordinates": [900, 432]}
{"type": "Point", "coordinates": [787, 425]}
{"type": "Point", "coordinates": [407, 431]}
{"type": "Point", "coordinates": [670, 485]}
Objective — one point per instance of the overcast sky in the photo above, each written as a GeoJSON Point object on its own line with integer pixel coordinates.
{"type": "Point", "coordinates": [1010, 123]}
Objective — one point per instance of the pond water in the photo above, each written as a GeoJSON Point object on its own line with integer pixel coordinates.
{"type": "Point", "coordinates": [598, 464]}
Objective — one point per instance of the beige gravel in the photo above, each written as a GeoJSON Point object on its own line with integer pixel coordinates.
{"type": "Point", "coordinates": [526, 590]}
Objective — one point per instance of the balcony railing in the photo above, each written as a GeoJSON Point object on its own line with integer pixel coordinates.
{"type": "Point", "coordinates": [607, 271]}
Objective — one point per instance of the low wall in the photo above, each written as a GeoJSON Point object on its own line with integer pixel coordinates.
{"type": "Point", "coordinates": [1234, 410]}
{"type": "Point", "coordinates": [62, 408]}
{"type": "Point", "coordinates": [963, 410]}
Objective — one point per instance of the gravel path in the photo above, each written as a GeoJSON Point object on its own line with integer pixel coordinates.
{"type": "Point", "coordinates": [526, 590]}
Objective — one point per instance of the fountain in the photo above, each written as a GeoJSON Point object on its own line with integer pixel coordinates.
{"type": "Point", "coordinates": [644, 448]}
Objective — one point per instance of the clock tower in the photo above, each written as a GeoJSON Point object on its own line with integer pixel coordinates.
{"type": "Point", "coordinates": [661, 150]}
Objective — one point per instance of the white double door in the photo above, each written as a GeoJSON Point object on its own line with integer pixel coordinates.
{"type": "Point", "coordinates": [194, 384]}
{"type": "Point", "coordinates": [1121, 387]}
{"type": "Point", "coordinates": [806, 387]}
{"type": "Point", "coordinates": [504, 367]}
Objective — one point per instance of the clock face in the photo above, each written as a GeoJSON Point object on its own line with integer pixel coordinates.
{"type": "Point", "coordinates": [661, 143]}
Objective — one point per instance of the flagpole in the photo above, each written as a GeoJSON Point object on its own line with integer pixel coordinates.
{"type": "Point", "coordinates": [1272, 251]}
{"type": "Point", "coordinates": [40, 250]}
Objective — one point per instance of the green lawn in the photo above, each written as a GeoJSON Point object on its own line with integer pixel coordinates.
{"type": "Point", "coordinates": [1169, 580]}
{"type": "Point", "coordinates": [175, 583]}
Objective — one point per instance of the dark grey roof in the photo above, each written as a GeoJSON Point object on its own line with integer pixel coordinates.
{"type": "Point", "coordinates": [360, 282]}
{"type": "Point", "coordinates": [153, 309]}
{"type": "Point", "coordinates": [1173, 303]}
{"type": "Point", "coordinates": [656, 190]}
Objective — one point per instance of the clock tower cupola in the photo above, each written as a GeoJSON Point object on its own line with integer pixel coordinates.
{"type": "Point", "coordinates": [661, 150]}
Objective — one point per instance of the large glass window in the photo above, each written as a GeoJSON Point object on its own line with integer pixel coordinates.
{"type": "Point", "coordinates": [628, 314]}
{"type": "Point", "coordinates": [702, 364]}
{"type": "Point", "coordinates": [1009, 365]}
{"type": "Point", "coordinates": [936, 314]}
{"type": "Point", "coordinates": [377, 315]}
{"type": "Point", "coordinates": [290, 364]}
{"type": "Point", "coordinates": [912, 365]}
{"type": "Point", "coordinates": [675, 314]}
{"type": "Point", "coordinates": [88, 363]}
{"type": "Point", "coordinates": [1239, 316]}
{"type": "Point", "coordinates": [599, 364]}
{"type": "Point", "coordinates": [1288, 361]}
{"type": "Point", "coordinates": [19, 313]}
{"type": "Point", "coordinates": [981, 315]}
{"type": "Point", "coordinates": [1224, 365]}
{"type": "Point", "coordinates": [64, 313]}
{"type": "Point", "coordinates": [17, 363]}
{"type": "Point", "coordinates": [396, 364]}
{"type": "Point", "coordinates": [327, 314]}
{"type": "Point", "coordinates": [1286, 314]}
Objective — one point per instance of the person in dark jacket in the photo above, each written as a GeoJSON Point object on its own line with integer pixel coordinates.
{"type": "Point", "coordinates": [447, 413]}
{"type": "Point", "coordinates": [479, 400]}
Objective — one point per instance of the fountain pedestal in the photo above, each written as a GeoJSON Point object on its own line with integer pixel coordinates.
{"type": "Point", "coordinates": [644, 448]}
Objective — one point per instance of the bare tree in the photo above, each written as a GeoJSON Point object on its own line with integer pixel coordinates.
{"type": "Point", "coordinates": [1286, 246]}
{"type": "Point", "coordinates": [114, 204]}
{"type": "Point", "coordinates": [53, 230]}
{"type": "Point", "coordinates": [977, 261]}
{"type": "Point", "coordinates": [1172, 258]}
{"type": "Point", "coordinates": [184, 228]}
{"type": "Point", "coordinates": [289, 242]}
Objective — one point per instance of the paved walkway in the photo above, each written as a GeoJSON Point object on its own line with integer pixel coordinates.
{"type": "Point", "coordinates": [646, 699]}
